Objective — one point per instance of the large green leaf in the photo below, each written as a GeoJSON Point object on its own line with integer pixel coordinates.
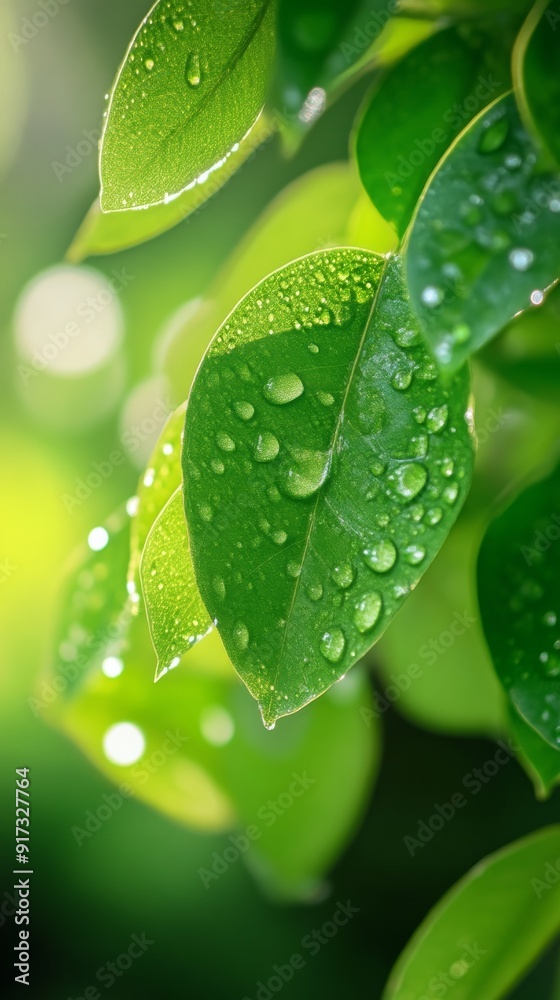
{"type": "Point", "coordinates": [322, 208]}
{"type": "Point", "coordinates": [192, 84]}
{"type": "Point", "coordinates": [484, 242]}
{"type": "Point", "coordinates": [518, 569]}
{"type": "Point", "coordinates": [324, 462]}
{"type": "Point", "coordinates": [413, 114]}
{"type": "Point", "coordinates": [108, 232]}
{"type": "Point", "coordinates": [205, 763]}
{"type": "Point", "coordinates": [535, 67]}
{"type": "Point", "coordinates": [488, 929]}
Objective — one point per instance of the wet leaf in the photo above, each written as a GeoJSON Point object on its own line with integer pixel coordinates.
{"type": "Point", "coordinates": [109, 232]}
{"type": "Point", "coordinates": [535, 66]}
{"type": "Point", "coordinates": [476, 937]}
{"type": "Point", "coordinates": [483, 244]}
{"type": "Point", "coordinates": [192, 84]}
{"type": "Point", "coordinates": [518, 569]}
{"type": "Point", "coordinates": [176, 615]}
{"type": "Point", "coordinates": [413, 113]}
{"type": "Point", "coordinates": [324, 467]}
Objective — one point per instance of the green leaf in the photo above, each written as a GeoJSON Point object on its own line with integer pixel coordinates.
{"type": "Point", "coordinates": [322, 208]}
{"type": "Point", "coordinates": [483, 244]}
{"type": "Point", "coordinates": [535, 68]}
{"type": "Point", "coordinates": [464, 8]}
{"type": "Point", "coordinates": [158, 483]}
{"type": "Point", "coordinates": [324, 467]}
{"type": "Point", "coordinates": [176, 615]}
{"type": "Point", "coordinates": [540, 760]}
{"type": "Point", "coordinates": [413, 114]}
{"type": "Point", "coordinates": [206, 765]}
{"type": "Point", "coordinates": [488, 929]}
{"type": "Point", "coordinates": [109, 232]}
{"type": "Point", "coordinates": [435, 659]}
{"type": "Point", "coordinates": [518, 568]}
{"type": "Point", "coordinates": [192, 84]}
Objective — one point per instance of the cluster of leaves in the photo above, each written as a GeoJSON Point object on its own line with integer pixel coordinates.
{"type": "Point", "coordinates": [326, 447]}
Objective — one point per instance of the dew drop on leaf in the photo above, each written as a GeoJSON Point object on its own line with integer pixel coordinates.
{"type": "Point", "coordinates": [192, 70]}
{"type": "Point", "coordinates": [367, 612]}
{"type": "Point", "coordinates": [332, 645]}
{"type": "Point", "coordinates": [381, 557]}
{"type": "Point", "coordinates": [281, 389]}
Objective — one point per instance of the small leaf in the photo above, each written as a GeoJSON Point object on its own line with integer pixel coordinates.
{"type": "Point", "coordinates": [324, 467]}
{"type": "Point", "coordinates": [192, 84]}
{"type": "Point", "coordinates": [488, 929]}
{"type": "Point", "coordinates": [483, 244]}
{"type": "Point", "coordinates": [176, 615]}
{"type": "Point", "coordinates": [109, 232]}
{"type": "Point", "coordinates": [413, 114]}
{"type": "Point", "coordinates": [518, 569]}
{"type": "Point", "coordinates": [157, 485]}
{"type": "Point", "coordinates": [540, 760]}
{"type": "Point", "coordinates": [535, 67]}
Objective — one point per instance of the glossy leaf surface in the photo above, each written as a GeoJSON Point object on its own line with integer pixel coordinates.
{"type": "Point", "coordinates": [192, 84]}
{"type": "Point", "coordinates": [325, 463]}
{"type": "Point", "coordinates": [484, 242]}
{"type": "Point", "coordinates": [535, 64]}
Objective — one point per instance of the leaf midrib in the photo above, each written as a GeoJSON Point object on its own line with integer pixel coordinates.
{"type": "Point", "coordinates": [322, 489]}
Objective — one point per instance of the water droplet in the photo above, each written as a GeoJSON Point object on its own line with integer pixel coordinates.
{"type": "Point", "coordinates": [241, 636]}
{"type": "Point", "coordinates": [450, 493]}
{"type": "Point", "coordinates": [244, 410]}
{"type": "Point", "coordinates": [307, 474]}
{"type": "Point", "coordinates": [414, 554]}
{"type": "Point", "coordinates": [149, 64]}
{"type": "Point", "coordinates": [537, 297]}
{"type": "Point", "coordinates": [381, 557]}
{"type": "Point", "coordinates": [419, 414]}
{"type": "Point", "coordinates": [192, 70]}
{"type": "Point", "coordinates": [206, 512]}
{"type": "Point", "coordinates": [437, 419]}
{"type": "Point", "coordinates": [224, 442]}
{"type": "Point", "coordinates": [493, 136]}
{"type": "Point", "coordinates": [217, 466]}
{"type": "Point", "coordinates": [549, 618]}
{"type": "Point", "coordinates": [219, 587]}
{"type": "Point", "coordinates": [343, 575]}
{"type": "Point", "coordinates": [401, 380]}
{"type": "Point", "coordinates": [411, 478]}
{"type": "Point", "coordinates": [325, 398]}
{"type": "Point", "coordinates": [367, 612]}
{"type": "Point", "coordinates": [433, 516]}
{"type": "Point", "coordinates": [332, 645]}
{"type": "Point", "coordinates": [293, 569]}
{"type": "Point", "coordinates": [283, 388]}
{"type": "Point", "coordinates": [279, 537]}
{"type": "Point", "coordinates": [266, 448]}
{"type": "Point", "coordinates": [521, 258]}
{"type": "Point", "coordinates": [315, 591]}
